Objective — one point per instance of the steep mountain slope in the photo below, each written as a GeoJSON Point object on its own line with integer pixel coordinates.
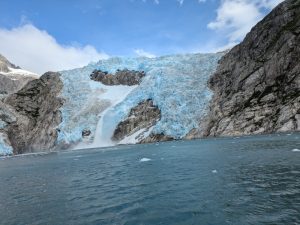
{"type": "Point", "coordinates": [257, 84]}
{"type": "Point", "coordinates": [29, 117]}
{"type": "Point", "coordinates": [256, 89]}
{"type": "Point", "coordinates": [13, 78]}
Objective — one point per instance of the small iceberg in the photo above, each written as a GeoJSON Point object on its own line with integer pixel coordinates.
{"type": "Point", "coordinates": [296, 150]}
{"type": "Point", "coordinates": [214, 171]}
{"type": "Point", "coordinates": [145, 159]}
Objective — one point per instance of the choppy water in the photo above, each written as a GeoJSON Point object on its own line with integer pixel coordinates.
{"type": "Point", "coordinates": [226, 181]}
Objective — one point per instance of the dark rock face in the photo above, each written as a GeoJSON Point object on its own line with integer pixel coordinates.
{"type": "Point", "coordinates": [143, 116]}
{"type": "Point", "coordinates": [122, 77]}
{"type": "Point", "coordinates": [86, 133]}
{"type": "Point", "coordinates": [34, 114]}
{"type": "Point", "coordinates": [257, 84]}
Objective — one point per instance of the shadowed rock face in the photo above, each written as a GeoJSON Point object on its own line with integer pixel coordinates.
{"type": "Point", "coordinates": [257, 84]}
{"type": "Point", "coordinates": [122, 77]}
{"type": "Point", "coordinates": [143, 116]}
{"type": "Point", "coordinates": [32, 114]}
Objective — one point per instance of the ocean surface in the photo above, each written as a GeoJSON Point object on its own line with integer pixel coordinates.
{"type": "Point", "coordinates": [249, 180]}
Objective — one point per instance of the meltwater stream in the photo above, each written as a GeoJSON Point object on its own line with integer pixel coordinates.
{"type": "Point", "coordinates": [250, 180]}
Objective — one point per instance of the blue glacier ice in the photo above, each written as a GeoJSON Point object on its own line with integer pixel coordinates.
{"type": "Point", "coordinates": [5, 149]}
{"type": "Point", "coordinates": [177, 84]}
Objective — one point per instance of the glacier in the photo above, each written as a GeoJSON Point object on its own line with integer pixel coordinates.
{"type": "Point", "coordinates": [5, 149]}
{"type": "Point", "coordinates": [177, 84]}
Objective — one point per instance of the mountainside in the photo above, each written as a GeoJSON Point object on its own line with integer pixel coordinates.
{"type": "Point", "coordinates": [257, 84]}
{"type": "Point", "coordinates": [252, 89]}
{"type": "Point", "coordinates": [13, 78]}
{"type": "Point", "coordinates": [29, 118]}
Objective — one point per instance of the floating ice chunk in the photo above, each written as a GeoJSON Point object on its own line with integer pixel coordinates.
{"type": "Point", "coordinates": [214, 171]}
{"type": "Point", "coordinates": [145, 159]}
{"type": "Point", "coordinates": [296, 150]}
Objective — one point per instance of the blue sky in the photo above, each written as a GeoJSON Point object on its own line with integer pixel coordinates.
{"type": "Point", "coordinates": [95, 29]}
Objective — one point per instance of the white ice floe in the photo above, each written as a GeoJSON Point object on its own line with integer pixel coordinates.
{"type": "Point", "coordinates": [296, 150]}
{"type": "Point", "coordinates": [214, 171]}
{"type": "Point", "coordinates": [145, 159]}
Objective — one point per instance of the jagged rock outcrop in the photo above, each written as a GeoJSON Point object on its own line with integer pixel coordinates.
{"type": "Point", "coordinates": [12, 78]}
{"type": "Point", "coordinates": [122, 77]}
{"type": "Point", "coordinates": [257, 84]}
{"type": "Point", "coordinates": [32, 115]}
{"type": "Point", "coordinates": [141, 117]}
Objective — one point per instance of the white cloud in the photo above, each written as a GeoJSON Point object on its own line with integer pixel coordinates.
{"type": "Point", "coordinates": [269, 4]}
{"type": "Point", "coordinates": [37, 51]}
{"type": "Point", "coordinates": [180, 1]}
{"type": "Point", "coordinates": [235, 18]}
{"type": "Point", "coordinates": [142, 53]}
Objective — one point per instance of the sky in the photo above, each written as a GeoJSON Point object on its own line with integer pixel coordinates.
{"type": "Point", "coordinates": [63, 34]}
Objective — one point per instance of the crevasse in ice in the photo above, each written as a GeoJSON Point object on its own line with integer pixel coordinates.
{"type": "Point", "coordinates": [177, 84]}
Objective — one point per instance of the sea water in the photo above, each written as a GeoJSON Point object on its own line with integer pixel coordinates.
{"type": "Point", "coordinates": [249, 180]}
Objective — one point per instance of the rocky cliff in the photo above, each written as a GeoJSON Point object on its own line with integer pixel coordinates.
{"type": "Point", "coordinates": [30, 116]}
{"type": "Point", "coordinates": [121, 77]}
{"type": "Point", "coordinates": [140, 119]}
{"type": "Point", "coordinates": [257, 84]}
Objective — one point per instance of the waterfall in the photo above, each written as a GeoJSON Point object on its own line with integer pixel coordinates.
{"type": "Point", "coordinates": [110, 118]}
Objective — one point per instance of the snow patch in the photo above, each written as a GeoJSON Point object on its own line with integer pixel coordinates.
{"type": "Point", "coordinates": [20, 72]}
{"type": "Point", "coordinates": [137, 136]}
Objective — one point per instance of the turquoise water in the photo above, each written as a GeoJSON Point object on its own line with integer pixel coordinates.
{"type": "Point", "coordinates": [250, 180]}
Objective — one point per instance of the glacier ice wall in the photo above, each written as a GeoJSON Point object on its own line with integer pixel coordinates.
{"type": "Point", "coordinates": [177, 84]}
{"type": "Point", "coordinates": [5, 149]}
